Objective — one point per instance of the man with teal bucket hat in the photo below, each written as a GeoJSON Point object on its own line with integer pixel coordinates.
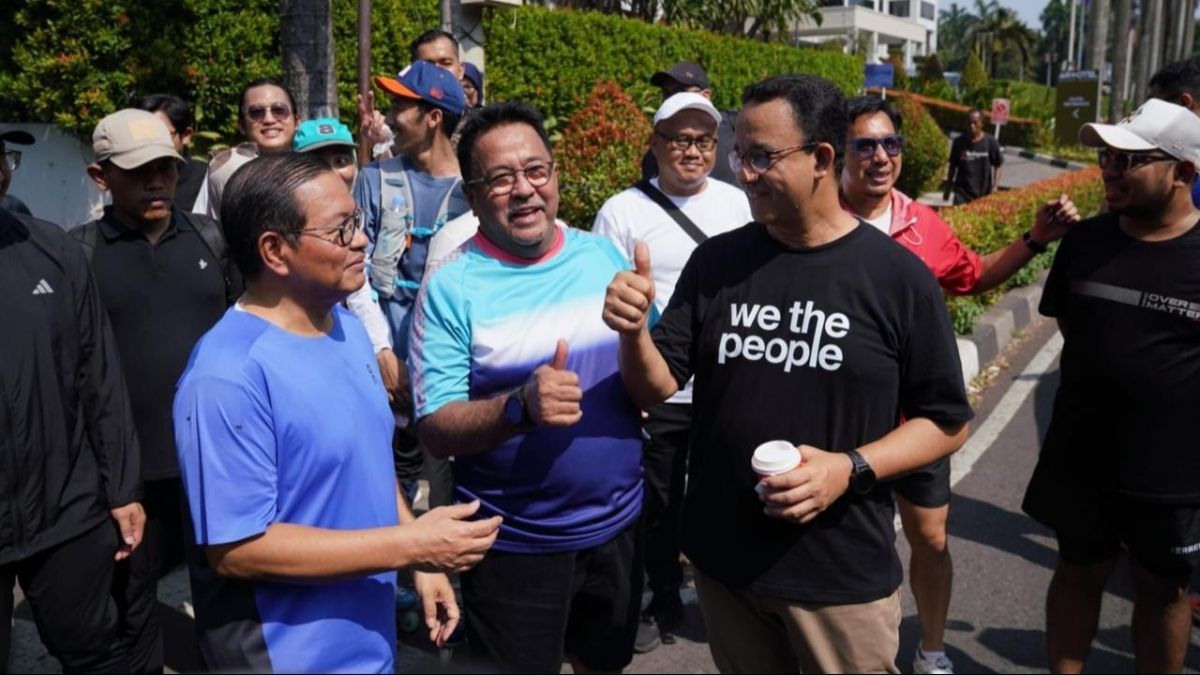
{"type": "Point", "coordinates": [333, 141]}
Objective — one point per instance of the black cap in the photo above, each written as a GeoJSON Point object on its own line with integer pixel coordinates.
{"type": "Point", "coordinates": [686, 73]}
{"type": "Point", "coordinates": [16, 136]}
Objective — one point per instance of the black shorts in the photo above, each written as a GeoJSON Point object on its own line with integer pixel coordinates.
{"type": "Point", "coordinates": [1092, 526]}
{"type": "Point", "coordinates": [526, 611]}
{"type": "Point", "coordinates": [928, 487]}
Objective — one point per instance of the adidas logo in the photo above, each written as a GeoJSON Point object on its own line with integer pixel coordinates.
{"type": "Point", "coordinates": [42, 288]}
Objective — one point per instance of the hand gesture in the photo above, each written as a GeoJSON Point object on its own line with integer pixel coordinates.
{"type": "Point", "coordinates": [440, 605]}
{"type": "Point", "coordinates": [630, 296]}
{"type": "Point", "coordinates": [131, 521]}
{"type": "Point", "coordinates": [552, 394]}
{"type": "Point", "coordinates": [804, 492]}
{"type": "Point", "coordinates": [395, 381]}
{"type": "Point", "coordinates": [1054, 218]}
{"type": "Point", "coordinates": [445, 541]}
{"type": "Point", "coordinates": [371, 124]}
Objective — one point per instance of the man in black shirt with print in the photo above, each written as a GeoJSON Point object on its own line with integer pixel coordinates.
{"type": "Point", "coordinates": [164, 277]}
{"type": "Point", "coordinates": [810, 326]}
{"type": "Point", "coordinates": [1119, 465]}
{"type": "Point", "coordinates": [975, 160]}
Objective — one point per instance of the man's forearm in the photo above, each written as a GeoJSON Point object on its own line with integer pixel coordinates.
{"type": "Point", "coordinates": [645, 372]}
{"type": "Point", "coordinates": [916, 443]}
{"type": "Point", "coordinates": [999, 266]}
{"type": "Point", "coordinates": [299, 554]}
{"type": "Point", "coordinates": [466, 427]}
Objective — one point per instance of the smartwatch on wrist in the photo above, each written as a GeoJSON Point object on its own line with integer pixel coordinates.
{"type": "Point", "coordinates": [1032, 243]}
{"type": "Point", "coordinates": [515, 410]}
{"type": "Point", "coordinates": [862, 476]}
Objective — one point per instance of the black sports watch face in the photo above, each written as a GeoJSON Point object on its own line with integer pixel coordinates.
{"type": "Point", "coordinates": [514, 409]}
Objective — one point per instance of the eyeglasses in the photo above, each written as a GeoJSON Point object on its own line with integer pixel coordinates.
{"type": "Point", "coordinates": [346, 232]}
{"type": "Point", "coordinates": [12, 159]}
{"type": "Point", "coordinates": [865, 147]}
{"type": "Point", "coordinates": [1124, 161]}
{"type": "Point", "coordinates": [258, 113]}
{"type": "Point", "coordinates": [500, 184]}
{"type": "Point", "coordinates": [682, 142]}
{"type": "Point", "coordinates": [760, 161]}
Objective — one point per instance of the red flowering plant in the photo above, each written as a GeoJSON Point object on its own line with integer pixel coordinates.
{"type": "Point", "coordinates": [600, 152]}
{"type": "Point", "coordinates": [995, 221]}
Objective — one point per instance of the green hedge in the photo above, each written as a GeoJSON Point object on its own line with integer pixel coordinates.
{"type": "Point", "coordinates": [952, 117]}
{"type": "Point", "coordinates": [553, 58]}
{"type": "Point", "coordinates": [74, 61]}
{"type": "Point", "coordinates": [991, 223]}
{"type": "Point", "coordinates": [926, 151]}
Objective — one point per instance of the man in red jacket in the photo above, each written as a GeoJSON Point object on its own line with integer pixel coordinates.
{"type": "Point", "coordinates": [873, 158]}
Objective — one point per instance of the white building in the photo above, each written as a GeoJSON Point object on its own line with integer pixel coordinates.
{"type": "Point", "coordinates": [907, 25]}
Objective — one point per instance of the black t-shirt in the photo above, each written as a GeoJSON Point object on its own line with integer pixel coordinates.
{"type": "Point", "coordinates": [972, 164]}
{"type": "Point", "coordinates": [161, 298]}
{"type": "Point", "coordinates": [829, 347]}
{"type": "Point", "coordinates": [1126, 411]}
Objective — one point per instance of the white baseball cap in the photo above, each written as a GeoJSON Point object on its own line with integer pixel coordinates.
{"type": "Point", "coordinates": [688, 100]}
{"type": "Point", "coordinates": [1156, 125]}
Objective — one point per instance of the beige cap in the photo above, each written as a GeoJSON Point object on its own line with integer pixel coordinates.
{"type": "Point", "coordinates": [130, 138]}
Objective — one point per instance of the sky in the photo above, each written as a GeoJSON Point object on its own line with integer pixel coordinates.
{"type": "Point", "coordinates": [1029, 10]}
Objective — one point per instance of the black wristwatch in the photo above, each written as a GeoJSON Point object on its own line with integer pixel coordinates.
{"type": "Point", "coordinates": [515, 410]}
{"type": "Point", "coordinates": [1032, 243]}
{"type": "Point", "coordinates": [862, 477]}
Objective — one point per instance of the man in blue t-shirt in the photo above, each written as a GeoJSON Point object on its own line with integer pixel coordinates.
{"type": "Point", "coordinates": [283, 428]}
{"type": "Point", "coordinates": [515, 375]}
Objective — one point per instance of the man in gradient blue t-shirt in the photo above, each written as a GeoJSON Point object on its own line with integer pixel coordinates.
{"type": "Point", "coordinates": [284, 438]}
{"type": "Point", "coordinates": [515, 375]}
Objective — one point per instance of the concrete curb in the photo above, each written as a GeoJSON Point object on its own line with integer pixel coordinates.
{"type": "Point", "coordinates": [1043, 159]}
{"type": "Point", "coordinates": [995, 329]}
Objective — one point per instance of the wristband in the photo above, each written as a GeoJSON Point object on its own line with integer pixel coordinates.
{"type": "Point", "coordinates": [1032, 243]}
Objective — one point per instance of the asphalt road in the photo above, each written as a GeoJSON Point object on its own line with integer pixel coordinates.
{"type": "Point", "coordinates": [1003, 560]}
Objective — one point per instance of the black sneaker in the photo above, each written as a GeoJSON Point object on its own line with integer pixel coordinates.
{"type": "Point", "coordinates": [648, 638]}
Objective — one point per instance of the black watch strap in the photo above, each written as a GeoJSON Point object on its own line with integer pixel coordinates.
{"type": "Point", "coordinates": [1032, 243]}
{"type": "Point", "coordinates": [862, 476]}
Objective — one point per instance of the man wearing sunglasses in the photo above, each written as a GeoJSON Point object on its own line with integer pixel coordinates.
{"type": "Point", "coordinates": [267, 119]}
{"type": "Point", "coordinates": [165, 279]}
{"type": "Point", "coordinates": [1118, 466]}
{"type": "Point", "coordinates": [284, 433]}
{"type": "Point", "coordinates": [10, 160]}
{"type": "Point", "coordinates": [874, 159]}
{"type": "Point", "coordinates": [807, 326]}
{"type": "Point", "coordinates": [672, 213]}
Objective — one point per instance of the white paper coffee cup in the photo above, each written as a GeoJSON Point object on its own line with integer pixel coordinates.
{"type": "Point", "coordinates": [773, 458]}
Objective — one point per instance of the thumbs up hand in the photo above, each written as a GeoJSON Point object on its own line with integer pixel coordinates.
{"type": "Point", "coordinates": [630, 296]}
{"type": "Point", "coordinates": [552, 394]}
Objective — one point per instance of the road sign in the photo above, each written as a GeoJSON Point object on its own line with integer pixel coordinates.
{"type": "Point", "coordinates": [880, 75]}
{"type": "Point", "coordinates": [1077, 105]}
{"type": "Point", "coordinates": [1000, 109]}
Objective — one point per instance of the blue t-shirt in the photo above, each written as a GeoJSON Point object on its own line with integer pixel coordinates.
{"type": "Point", "coordinates": [273, 427]}
{"type": "Point", "coordinates": [484, 322]}
{"type": "Point", "coordinates": [1196, 194]}
{"type": "Point", "coordinates": [428, 194]}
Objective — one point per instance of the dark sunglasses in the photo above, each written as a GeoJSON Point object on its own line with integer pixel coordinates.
{"type": "Point", "coordinates": [1124, 161]}
{"type": "Point", "coordinates": [279, 111]}
{"type": "Point", "coordinates": [865, 147]}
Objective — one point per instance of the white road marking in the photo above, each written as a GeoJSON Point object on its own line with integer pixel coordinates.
{"type": "Point", "coordinates": [986, 434]}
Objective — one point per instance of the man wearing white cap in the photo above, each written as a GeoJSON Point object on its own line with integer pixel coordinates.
{"type": "Point", "coordinates": [1118, 467]}
{"type": "Point", "coordinates": [164, 277]}
{"type": "Point", "coordinates": [672, 213]}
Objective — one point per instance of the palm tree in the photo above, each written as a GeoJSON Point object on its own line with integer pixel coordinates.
{"type": "Point", "coordinates": [953, 24]}
{"type": "Point", "coordinates": [1000, 30]}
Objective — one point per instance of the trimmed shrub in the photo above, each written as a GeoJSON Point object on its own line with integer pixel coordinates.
{"type": "Point", "coordinates": [553, 58]}
{"type": "Point", "coordinates": [600, 152]}
{"type": "Point", "coordinates": [75, 61]}
{"type": "Point", "coordinates": [995, 221]}
{"type": "Point", "coordinates": [974, 75]}
{"type": "Point", "coordinates": [902, 80]}
{"type": "Point", "coordinates": [952, 117]}
{"type": "Point", "coordinates": [926, 150]}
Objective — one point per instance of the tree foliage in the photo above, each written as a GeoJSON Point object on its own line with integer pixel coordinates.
{"type": "Point", "coordinates": [974, 76]}
{"type": "Point", "coordinates": [926, 150]}
{"type": "Point", "coordinates": [755, 19]}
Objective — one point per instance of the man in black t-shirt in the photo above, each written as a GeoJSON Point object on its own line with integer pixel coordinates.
{"type": "Point", "coordinates": [812, 327]}
{"type": "Point", "coordinates": [975, 160]}
{"type": "Point", "coordinates": [1119, 465]}
{"type": "Point", "coordinates": [163, 286]}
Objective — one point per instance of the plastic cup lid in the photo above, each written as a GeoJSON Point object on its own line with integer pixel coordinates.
{"type": "Point", "coordinates": [775, 457]}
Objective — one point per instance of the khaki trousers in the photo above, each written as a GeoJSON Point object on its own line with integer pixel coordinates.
{"type": "Point", "coordinates": [751, 632]}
